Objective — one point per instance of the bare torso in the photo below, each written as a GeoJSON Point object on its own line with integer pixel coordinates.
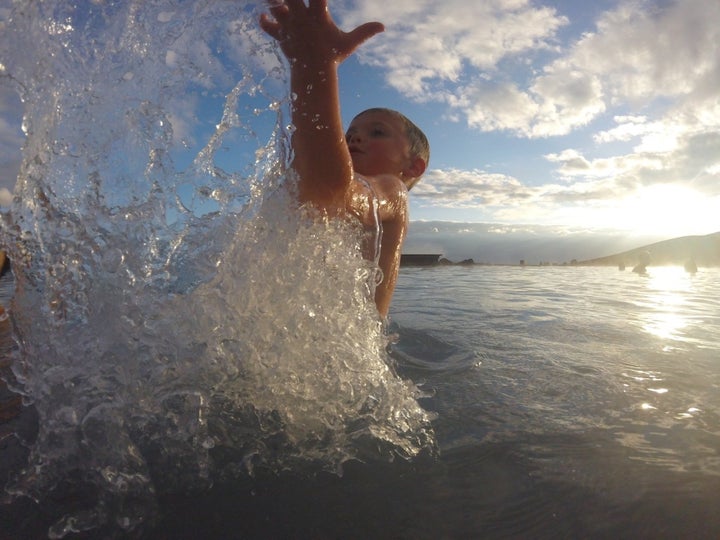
{"type": "Point", "coordinates": [382, 200]}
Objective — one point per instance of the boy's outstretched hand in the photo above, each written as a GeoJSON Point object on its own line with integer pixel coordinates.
{"type": "Point", "coordinates": [315, 47]}
{"type": "Point", "coordinates": [326, 181]}
{"type": "Point", "coordinates": [309, 35]}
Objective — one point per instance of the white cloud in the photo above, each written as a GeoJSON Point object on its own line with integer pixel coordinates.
{"type": "Point", "coordinates": [644, 50]}
{"type": "Point", "coordinates": [427, 44]}
{"type": "Point", "coordinates": [598, 193]}
{"type": "Point", "coordinates": [182, 117]}
{"type": "Point", "coordinates": [250, 45]}
{"type": "Point", "coordinates": [628, 127]}
{"type": "Point", "coordinates": [489, 106]}
{"type": "Point", "coordinates": [567, 100]}
{"type": "Point", "coordinates": [676, 148]}
{"type": "Point", "coordinates": [453, 188]}
{"type": "Point", "coordinates": [498, 193]}
{"type": "Point", "coordinates": [638, 52]}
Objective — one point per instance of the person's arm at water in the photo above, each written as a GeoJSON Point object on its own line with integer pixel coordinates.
{"type": "Point", "coordinates": [315, 47]}
{"type": "Point", "coordinates": [393, 214]}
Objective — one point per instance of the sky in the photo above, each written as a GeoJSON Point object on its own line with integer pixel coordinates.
{"type": "Point", "coordinates": [560, 114]}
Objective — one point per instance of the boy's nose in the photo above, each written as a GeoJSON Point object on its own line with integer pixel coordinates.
{"type": "Point", "coordinates": [354, 137]}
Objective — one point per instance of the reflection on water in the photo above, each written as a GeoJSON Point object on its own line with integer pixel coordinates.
{"type": "Point", "coordinates": [618, 417]}
{"type": "Point", "coordinates": [636, 355]}
{"type": "Point", "coordinates": [664, 312]}
{"type": "Point", "coordinates": [576, 423]}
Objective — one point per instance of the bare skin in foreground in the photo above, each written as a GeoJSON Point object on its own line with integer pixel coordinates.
{"type": "Point", "coordinates": [364, 173]}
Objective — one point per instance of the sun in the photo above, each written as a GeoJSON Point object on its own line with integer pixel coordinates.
{"type": "Point", "coordinates": [668, 210]}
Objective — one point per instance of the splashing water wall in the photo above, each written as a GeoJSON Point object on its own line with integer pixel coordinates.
{"type": "Point", "coordinates": [177, 321]}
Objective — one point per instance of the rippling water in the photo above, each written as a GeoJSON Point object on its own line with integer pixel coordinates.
{"type": "Point", "coordinates": [570, 403]}
{"type": "Point", "coordinates": [600, 387]}
{"type": "Point", "coordinates": [573, 349]}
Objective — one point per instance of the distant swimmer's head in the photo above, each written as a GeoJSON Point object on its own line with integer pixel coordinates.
{"type": "Point", "coordinates": [384, 141]}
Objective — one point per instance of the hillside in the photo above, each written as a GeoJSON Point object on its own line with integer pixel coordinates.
{"type": "Point", "coordinates": [704, 250]}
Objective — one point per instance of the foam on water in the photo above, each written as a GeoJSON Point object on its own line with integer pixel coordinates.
{"type": "Point", "coordinates": [178, 322]}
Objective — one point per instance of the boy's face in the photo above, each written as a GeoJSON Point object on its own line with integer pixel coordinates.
{"type": "Point", "coordinates": [378, 144]}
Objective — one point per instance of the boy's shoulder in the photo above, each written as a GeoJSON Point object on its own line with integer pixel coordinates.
{"type": "Point", "coordinates": [389, 193]}
{"type": "Point", "coordinates": [384, 185]}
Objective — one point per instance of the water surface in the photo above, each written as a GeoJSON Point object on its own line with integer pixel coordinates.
{"type": "Point", "coordinates": [198, 358]}
{"type": "Point", "coordinates": [564, 409]}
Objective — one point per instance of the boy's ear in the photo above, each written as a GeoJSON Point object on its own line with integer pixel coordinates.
{"type": "Point", "coordinates": [416, 168]}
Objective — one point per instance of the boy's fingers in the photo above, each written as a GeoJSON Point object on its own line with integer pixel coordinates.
{"type": "Point", "coordinates": [295, 5]}
{"type": "Point", "coordinates": [317, 7]}
{"type": "Point", "coordinates": [270, 27]}
{"type": "Point", "coordinates": [280, 12]}
{"type": "Point", "coordinates": [265, 20]}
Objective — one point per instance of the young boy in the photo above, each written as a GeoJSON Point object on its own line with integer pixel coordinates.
{"type": "Point", "coordinates": [366, 172]}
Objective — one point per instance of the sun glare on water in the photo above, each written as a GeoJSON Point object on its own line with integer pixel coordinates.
{"type": "Point", "coordinates": [666, 316]}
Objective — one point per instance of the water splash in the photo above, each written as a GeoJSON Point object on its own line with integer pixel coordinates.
{"type": "Point", "coordinates": [178, 323]}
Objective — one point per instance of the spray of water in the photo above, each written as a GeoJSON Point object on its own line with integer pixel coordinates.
{"type": "Point", "coordinates": [178, 320]}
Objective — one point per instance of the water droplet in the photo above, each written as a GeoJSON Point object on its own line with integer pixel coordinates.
{"type": "Point", "coordinates": [112, 259]}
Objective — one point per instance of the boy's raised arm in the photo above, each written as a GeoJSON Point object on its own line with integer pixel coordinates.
{"type": "Point", "coordinates": [315, 47]}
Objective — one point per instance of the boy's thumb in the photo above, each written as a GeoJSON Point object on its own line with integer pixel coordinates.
{"type": "Point", "coordinates": [366, 31]}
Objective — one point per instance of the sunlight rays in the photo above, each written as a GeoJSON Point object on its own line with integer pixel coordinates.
{"type": "Point", "coordinates": [667, 210]}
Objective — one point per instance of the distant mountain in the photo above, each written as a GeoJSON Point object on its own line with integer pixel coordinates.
{"type": "Point", "coordinates": [492, 243]}
{"type": "Point", "coordinates": [703, 250]}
